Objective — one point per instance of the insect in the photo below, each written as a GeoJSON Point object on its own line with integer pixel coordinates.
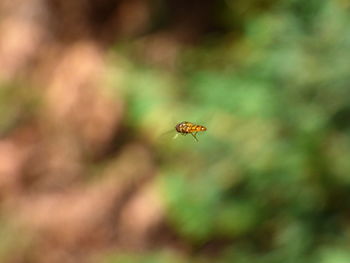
{"type": "Point", "coordinates": [186, 127]}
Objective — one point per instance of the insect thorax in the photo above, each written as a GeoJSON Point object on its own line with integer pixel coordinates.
{"type": "Point", "coordinates": [182, 127]}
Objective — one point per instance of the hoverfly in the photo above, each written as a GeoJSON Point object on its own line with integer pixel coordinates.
{"type": "Point", "coordinates": [186, 127]}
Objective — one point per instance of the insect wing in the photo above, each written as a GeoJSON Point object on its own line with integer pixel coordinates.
{"type": "Point", "coordinates": [168, 134]}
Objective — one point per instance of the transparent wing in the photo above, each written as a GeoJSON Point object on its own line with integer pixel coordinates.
{"type": "Point", "coordinates": [168, 134]}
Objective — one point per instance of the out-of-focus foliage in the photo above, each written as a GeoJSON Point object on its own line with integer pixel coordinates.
{"type": "Point", "coordinates": [270, 179]}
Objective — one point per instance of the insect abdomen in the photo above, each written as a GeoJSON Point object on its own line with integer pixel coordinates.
{"type": "Point", "coordinates": [197, 128]}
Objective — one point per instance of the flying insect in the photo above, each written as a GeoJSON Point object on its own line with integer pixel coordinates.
{"type": "Point", "coordinates": [186, 127]}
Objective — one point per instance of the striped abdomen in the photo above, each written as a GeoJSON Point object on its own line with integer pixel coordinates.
{"type": "Point", "coordinates": [188, 127]}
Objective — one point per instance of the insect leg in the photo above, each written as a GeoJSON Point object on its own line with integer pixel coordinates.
{"type": "Point", "coordinates": [194, 136]}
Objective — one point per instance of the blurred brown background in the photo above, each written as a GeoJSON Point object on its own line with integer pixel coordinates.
{"type": "Point", "coordinates": [70, 189]}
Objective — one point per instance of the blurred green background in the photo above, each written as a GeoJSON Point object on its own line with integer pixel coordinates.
{"type": "Point", "coordinates": [268, 182]}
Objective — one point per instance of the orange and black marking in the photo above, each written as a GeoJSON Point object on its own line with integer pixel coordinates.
{"type": "Point", "coordinates": [186, 127]}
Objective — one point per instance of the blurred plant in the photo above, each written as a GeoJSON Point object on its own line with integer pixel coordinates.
{"type": "Point", "coordinates": [271, 174]}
